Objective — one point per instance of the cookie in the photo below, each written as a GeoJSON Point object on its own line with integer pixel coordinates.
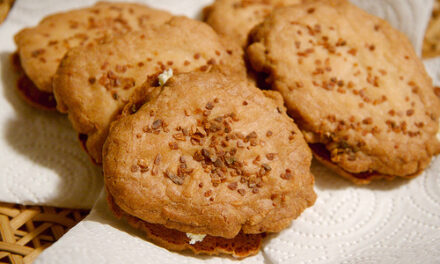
{"type": "Point", "coordinates": [208, 154]}
{"type": "Point", "coordinates": [235, 18]}
{"type": "Point", "coordinates": [355, 87]}
{"type": "Point", "coordinates": [93, 83]}
{"type": "Point", "coordinates": [42, 47]}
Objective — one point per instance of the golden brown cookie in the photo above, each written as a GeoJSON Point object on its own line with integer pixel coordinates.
{"type": "Point", "coordinates": [355, 87]}
{"type": "Point", "coordinates": [42, 47]}
{"type": "Point", "coordinates": [93, 83]}
{"type": "Point", "coordinates": [235, 18]}
{"type": "Point", "coordinates": [208, 153]}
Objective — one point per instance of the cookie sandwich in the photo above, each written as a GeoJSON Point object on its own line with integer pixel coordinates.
{"type": "Point", "coordinates": [207, 163]}
{"type": "Point", "coordinates": [354, 86]}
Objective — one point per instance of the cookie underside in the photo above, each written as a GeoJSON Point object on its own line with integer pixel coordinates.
{"type": "Point", "coordinates": [243, 245]}
{"type": "Point", "coordinates": [323, 155]}
{"type": "Point", "coordinates": [29, 91]}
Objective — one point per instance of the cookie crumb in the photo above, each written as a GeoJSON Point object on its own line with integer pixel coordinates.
{"type": "Point", "coordinates": [165, 76]}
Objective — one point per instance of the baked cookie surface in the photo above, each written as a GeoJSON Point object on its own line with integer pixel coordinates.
{"type": "Point", "coordinates": [93, 83]}
{"type": "Point", "coordinates": [42, 47]}
{"type": "Point", "coordinates": [235, 18]}
{"type": "Point", "coordinates": [354, 86]}
{"type": "Point", "coordinates": [208, 154]}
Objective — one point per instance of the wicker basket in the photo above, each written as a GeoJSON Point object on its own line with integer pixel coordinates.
{"type": "Point", "coordinates": [27, 230]}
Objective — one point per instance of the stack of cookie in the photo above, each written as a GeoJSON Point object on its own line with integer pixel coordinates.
{"type": "Point", "coordinates": [193, 152]}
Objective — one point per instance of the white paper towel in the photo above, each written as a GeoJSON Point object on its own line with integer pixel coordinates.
{"type": "Point", "coordinates": [385, 222]}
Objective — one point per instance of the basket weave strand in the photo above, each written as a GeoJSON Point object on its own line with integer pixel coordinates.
{"type": "Point", "coordinates": [27, 230]}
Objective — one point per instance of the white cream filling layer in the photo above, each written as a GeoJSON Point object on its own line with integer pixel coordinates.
{"type": "Point", "coordinates": [165, 76]}
{"type": "Point", "coordinates": [194, 238]}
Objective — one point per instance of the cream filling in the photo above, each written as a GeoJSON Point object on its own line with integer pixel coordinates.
{"type": "Point", "coordinates": [194, 238]}
{"type": "Point", "coordinates": [165, 76]}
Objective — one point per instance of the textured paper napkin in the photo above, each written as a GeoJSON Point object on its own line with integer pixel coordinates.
{"type": "Point", "coordinates": [385, 222]}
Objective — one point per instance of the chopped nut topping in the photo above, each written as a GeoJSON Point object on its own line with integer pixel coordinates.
{"type": "Point", "coordinates": [242, 192]}
{"type": "Point", "coordinates": [266, 167]}
{"type": "Point", "coordinates": [179, 136]}
{"type": "Point", "coordinates": [218, 163]}
{"type": "Point", "coordinates": [287, 175]}
{"type": "Point", "coordinates": [156, 124]}
{"type": "Point", "coordinates": [173, 145]}
{"type": "Point", "coordinates": [134, 168]}
{"type": "Point", "coordinates": [198, 156]}
{"type": "Point", "coordinates": [206, 153]}
{"type": "Point", "coordinates": [157, 159]}
{"type": "Point", "coordinates": [270, 156]}
{"type": "Point", "coordinates": [209, 106]}
{"type": "Point", "coordinates": [37, 52]}
{"type": "Point", "coordinates": [367, 121]}
{"type": "Point", "coordinates": [253, 134]}
{"type": "Point", "coordinates": [174, 178]}
{"type": "Point", "coordinates": [233, 185]}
